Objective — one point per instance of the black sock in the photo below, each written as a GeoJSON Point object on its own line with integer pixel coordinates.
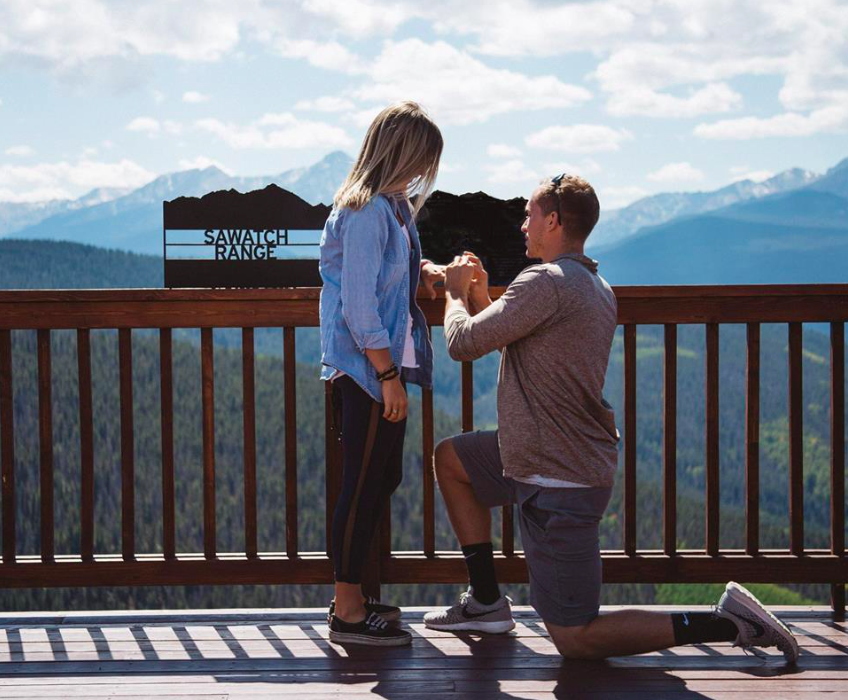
{"type": "Point", "coordinates": [481, 572]}
{"type": "Point", "coordinates": [702, 627]}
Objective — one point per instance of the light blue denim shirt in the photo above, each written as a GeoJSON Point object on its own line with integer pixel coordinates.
{"type": "Point", "coordinates": [370, 281]}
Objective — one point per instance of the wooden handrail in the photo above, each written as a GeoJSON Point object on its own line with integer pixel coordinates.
{"type": "Point", "coordinates": [165, 309]}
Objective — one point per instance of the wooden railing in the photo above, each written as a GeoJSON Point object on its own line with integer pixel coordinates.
{"type": "Point", "coordinates": [165, 310]}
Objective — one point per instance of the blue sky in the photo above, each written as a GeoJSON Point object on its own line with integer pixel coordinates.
{"type": "Point", "coordinates": [639, 96]}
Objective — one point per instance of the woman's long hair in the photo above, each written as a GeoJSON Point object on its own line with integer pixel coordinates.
{"type": "Point", "coordinates": [403, 145]}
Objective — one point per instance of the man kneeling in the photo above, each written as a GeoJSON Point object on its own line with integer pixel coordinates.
{"type": "Point", "coordinates": [555, 452]}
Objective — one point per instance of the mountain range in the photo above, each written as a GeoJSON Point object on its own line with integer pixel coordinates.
{"type": "Point", "coordinates": [132, 221]}
{"type": "Point", "coordinates": [791, 228]}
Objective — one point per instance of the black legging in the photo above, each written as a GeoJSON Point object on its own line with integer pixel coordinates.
{"type": "Point", "coordinates": [372, 462]}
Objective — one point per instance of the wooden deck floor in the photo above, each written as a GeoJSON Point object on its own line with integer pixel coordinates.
{"type": "Point", "coordinates": [257, 654]}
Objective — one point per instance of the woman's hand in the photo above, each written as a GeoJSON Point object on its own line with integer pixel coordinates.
{"type": "Point", "coordinates": [394, 400]}
{"type": "Point", "coordinates": [430, 274]}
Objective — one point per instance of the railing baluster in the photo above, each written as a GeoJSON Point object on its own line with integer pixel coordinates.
{"type": "Point", "coordinates": [166, 383]}
{"type": "Point", "coordinates": [837, 457]}
{"type": "Point", "coordinates": [7, 452]}
{"type": "Point", "coordinates": [332, 451]}
{"type": "Point", "coordinates": [670, 441]}
{"type": "Point", "coordinates": [86, 445]}
{"type": "Point", "coordinates": [752, 441]}
{"type": "Point", "coordinates": [796, 440]}
{"type": "Point", "coordinates": [290, 408]}
{"type": "Point", "coordinates": [127, 445]}
{"type": "Point", "coordinates": [630, 439]}
{"type": "Point", "coordinates": [712, 441]}
{"type": "Point", "coordinates": [428, 440]}
{"type": "Point", "coordinates": [467, 397]}
{"type": "Point", "coordinates": [249, 415]}
{"type": "Point", "coordinates": [45, 434]}
{"type": "Point", "coordinates": [207, 365]}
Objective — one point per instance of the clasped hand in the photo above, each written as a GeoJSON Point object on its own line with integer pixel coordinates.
{"type": "Point", "coordinates": [466, 278]}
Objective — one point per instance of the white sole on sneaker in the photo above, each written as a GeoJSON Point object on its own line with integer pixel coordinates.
{"type": "Point", "coordinates": [489, 627]}
{"type": "Point", "coordinates": [748, 600]}
{"type": "Point", "coordinates": [366, 640]}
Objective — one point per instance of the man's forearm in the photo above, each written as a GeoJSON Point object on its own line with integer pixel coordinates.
{"type": "Point", "coordinates": [455, 301]}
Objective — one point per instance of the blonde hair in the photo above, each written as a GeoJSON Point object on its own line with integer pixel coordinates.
{"type": "Point", "coordinates": [402, 145]}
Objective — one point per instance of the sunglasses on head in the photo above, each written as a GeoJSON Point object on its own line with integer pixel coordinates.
{"type": "Point", "coordinates": [556, 180]}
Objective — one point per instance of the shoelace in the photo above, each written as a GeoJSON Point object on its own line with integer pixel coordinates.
{"type": "Point", "coordinates": [375, 621]}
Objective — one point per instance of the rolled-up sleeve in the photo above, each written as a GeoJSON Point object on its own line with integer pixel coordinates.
{"type": "Point", "coordinates": [526, 305]}
{"type": "Point", "coordinates": [364, 234]}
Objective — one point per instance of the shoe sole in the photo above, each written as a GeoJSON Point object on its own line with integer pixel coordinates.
{"type": "Point", "coordinates": [489, 627]}
{"type": "Point", "coordinates": [388, 617]}
{"type": "Point", "coordinates": [366, 640]}
{"type": "Point", "coordinates": [748, 600]}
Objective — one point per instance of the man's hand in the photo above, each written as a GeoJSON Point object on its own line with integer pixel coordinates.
{"type": "Point", "coordinates": [478, 294]}
{"type": "Point", "coordinates": [458, 277]}
{"type": "Point", "coordinates": [430, 275]}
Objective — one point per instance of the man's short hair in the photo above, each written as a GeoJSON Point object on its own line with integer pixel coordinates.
{"type": "Point", "coordinates": [575, 202]}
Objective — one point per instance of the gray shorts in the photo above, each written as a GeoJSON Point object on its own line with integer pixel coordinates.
{"type": "Point", "coordinates": [559, 530]}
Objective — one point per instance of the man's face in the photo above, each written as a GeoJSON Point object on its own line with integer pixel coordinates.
{"type": "Point", "coordinates": [534, 228]}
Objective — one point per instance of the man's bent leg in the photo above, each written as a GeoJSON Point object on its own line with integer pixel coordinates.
{"type": "Point", "coordinates": [471, 520]}
{"type": "Point", "coordinates": [619, 633]}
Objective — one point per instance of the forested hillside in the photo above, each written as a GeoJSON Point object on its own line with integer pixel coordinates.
{"type": "Point", "coordinates": [407, 502]}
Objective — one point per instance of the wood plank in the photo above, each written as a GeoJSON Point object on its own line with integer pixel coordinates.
{"type": "Point", "coordinates": [752, 440]}
{"type": "Point", "coordinates": [290, 408]}
{"type": "Point", "coordinates": [712, 440]}
{"type": "Point", "coordinates": [7, 447]}
{"type": "Point", "coordinates": [670, 440]}
{"type": "Point", "coordinates": [86, 445]}
{"type": "Point", "coordinates": [630, 439]}
{"type": "Point", "coordinates": [127, 445]}
{"type": "Point", "coordinates": [166, 384]}
{"type": "Point", "coordinates": [207, 366]}
{"type": "Point", "coordinates": [796, 440]}
{"type": "Point", "coordinates": [249, 421]}
{"type": "Point", "coordinates": [45, 441]}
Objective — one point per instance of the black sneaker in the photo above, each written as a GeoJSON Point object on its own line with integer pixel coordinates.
{"type": "Point", "coordinates": [372, 631]}
{"type": "Point", "coordinates": [390, 613]}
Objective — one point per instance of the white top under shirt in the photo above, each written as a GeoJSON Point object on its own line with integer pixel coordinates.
{"type": "Point", "coordinates": [408, 344]}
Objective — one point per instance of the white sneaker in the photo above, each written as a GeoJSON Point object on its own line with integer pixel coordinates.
{"type": "Point", "coordinates": [757, 626]}
{"type": "Point", "coordinates": [470, 614]}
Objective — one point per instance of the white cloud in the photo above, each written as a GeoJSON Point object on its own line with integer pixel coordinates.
{"type": "Point", "coordinates": [362, 18]}
{"type": "Point", "coordinates": [201, 163]}
{"type": "Point", "coordinates": [194, 97]}
{"type": "Point", "coordinates": [617, 197]}
{"type": "Point", "coordinates": [714, 98]}
{"type": "Point", "coordinates": [456, 87]}
{"type": "Point", "coordinates": [743, 172]}
{"type": "Point", "coordinates": [502, 150]}
{"type": "Point", "coordinates": [322, 54]}
{"type": "Point", "coordinates": [19, 151]}
{"type": "Point", "coordinates": [673, 173]}
{"type": "Point", "coordinates": [147, 125]}
{"type": "Point", "coordinates": [825, 120]}
{"type": "Point", "coordinates": [511, 171]}
{"type": "Point", "coordinates": [579, 138]}
{"type": "Point", "coordinates": [330, 103]}
{"type": "Point", "coordinates": [64, 180]}
{"type": "Point", "coordinates": [587, 166]}
{"type": "Point", "coordinates": [152, 127]}
{"type": "Point", "coordinates": [277, 131]}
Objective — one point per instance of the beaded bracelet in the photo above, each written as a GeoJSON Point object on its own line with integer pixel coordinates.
{"type": "Point", "coordinates": [388, 374]}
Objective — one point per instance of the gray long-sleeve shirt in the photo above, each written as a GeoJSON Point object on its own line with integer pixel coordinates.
{"type": "Point", "coordinates": [555, 324]}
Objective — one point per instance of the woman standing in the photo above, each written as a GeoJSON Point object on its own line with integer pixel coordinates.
{"type": "Point", "coordinates": [373, 340]}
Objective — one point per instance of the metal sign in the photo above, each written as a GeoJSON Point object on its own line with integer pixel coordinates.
{"type": "Point", "coordinates": [264, 238]}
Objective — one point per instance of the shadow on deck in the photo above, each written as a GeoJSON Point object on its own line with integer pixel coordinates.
{"type": "Point", "coordinates": [263, 654]}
